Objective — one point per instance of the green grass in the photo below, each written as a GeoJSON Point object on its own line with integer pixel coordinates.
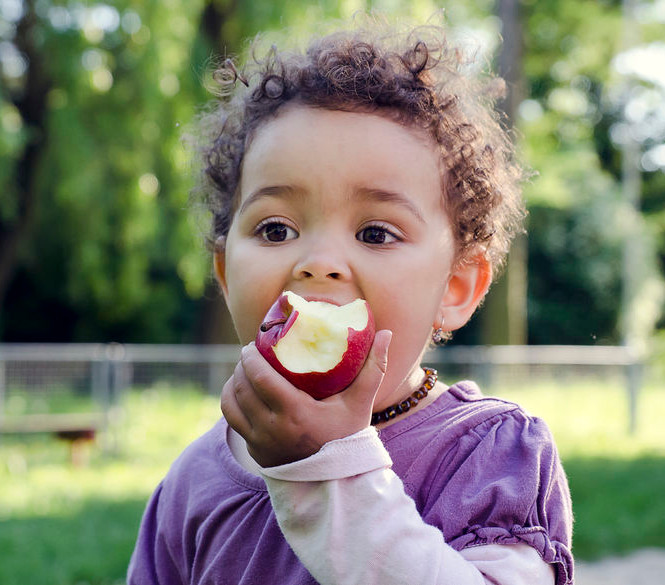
{"type": "Point", "coordinates": [57, 400]}
{"type": "Point", "coordinates": [61, 525]}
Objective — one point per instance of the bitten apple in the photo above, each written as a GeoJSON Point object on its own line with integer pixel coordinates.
{"type": "Point", "coordinates": [319, 347]}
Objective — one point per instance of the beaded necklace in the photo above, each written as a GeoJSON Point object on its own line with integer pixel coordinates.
{"type": "Point", "coordinates": [406, 405]}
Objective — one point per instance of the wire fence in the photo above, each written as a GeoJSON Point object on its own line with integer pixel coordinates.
{"type": "Point", "coordinates": [42, 387]}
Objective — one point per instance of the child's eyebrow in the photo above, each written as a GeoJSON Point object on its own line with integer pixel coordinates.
{"type": "Point", "coordinates": [272, 191]}
{"type": "Point", "coordinates": [383, 195]}
{"type": "Point", "coordinates": [368, 193]}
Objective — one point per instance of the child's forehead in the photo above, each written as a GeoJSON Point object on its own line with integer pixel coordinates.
{"type": "Point", "coordinates": [298, 127]}
{"type": "Point", "coordinates": [364, 156]}
{"type": "Point", "coordinates": [297, 112]}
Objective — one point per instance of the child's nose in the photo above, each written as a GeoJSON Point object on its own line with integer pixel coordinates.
{"type": "Point", "coordinates": [325, 262]}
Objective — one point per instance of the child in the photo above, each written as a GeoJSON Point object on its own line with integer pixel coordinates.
{"type": "Point", "coordinates": [370, 166]}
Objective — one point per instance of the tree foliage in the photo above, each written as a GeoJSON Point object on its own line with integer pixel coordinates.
{"type": "Point", "coordinates": [95, 241]}
{"type": "Point", "coordinates": [106, 245]}
{"type": "Point", "coordinates": [581, 225]}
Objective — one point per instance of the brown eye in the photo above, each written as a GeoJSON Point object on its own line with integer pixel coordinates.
{"type": "Point", "coordinates": [277, 232]}
{"type": "Point", "coordinates": [376, 235]}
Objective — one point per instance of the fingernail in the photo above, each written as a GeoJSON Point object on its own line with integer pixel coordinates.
{"type": "Point", "coordinates": [388, 335]}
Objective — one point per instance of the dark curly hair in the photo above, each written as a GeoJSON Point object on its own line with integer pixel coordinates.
{"type": "Point", "coordinates": [414, 78]}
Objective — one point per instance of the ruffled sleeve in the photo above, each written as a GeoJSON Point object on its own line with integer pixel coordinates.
{"type": "Point", "coordinates": [504, 484]}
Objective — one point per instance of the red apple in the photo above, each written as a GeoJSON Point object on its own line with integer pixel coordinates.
{"type": "Point", "coordinates": [319, 347]}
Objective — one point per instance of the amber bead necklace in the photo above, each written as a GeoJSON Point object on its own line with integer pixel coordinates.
{"type": "Point", "coordinates": [391, 412]}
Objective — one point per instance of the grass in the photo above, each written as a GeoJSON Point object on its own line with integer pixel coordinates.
{"type": "Point", "coordinates": [57, 400]}
{"type": "Point", "coordinates": [62, 525]}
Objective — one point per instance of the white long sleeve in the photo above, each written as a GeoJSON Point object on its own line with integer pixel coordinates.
{"type": "Point", "coordinates": [345, 514]}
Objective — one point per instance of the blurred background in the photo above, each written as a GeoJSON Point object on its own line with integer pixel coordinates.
{"type": "Point", "coordinates": [114, 340]}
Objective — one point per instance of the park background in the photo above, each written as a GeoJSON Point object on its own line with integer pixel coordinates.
{"type": "Point", "coordinates": [97, 244]}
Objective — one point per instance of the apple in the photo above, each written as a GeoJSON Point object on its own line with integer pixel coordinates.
{"type": "Point", "coordinates": [317, 346]}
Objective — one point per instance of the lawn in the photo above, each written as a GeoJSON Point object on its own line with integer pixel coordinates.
{"type": "Point", "coordinates": [62, 525]}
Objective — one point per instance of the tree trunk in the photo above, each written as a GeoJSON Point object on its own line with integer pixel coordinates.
{"type": "Point", "coordinates": [32, 107]}
{"type": "Point", "coordinates": [215, 324]}
{"type": "Point", "coordinates": [504, 316]}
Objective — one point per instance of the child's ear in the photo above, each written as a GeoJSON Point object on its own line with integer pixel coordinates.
{"type": "Point", "coordinates": [467, 286]}
{"type": "Point", "coordinates": [219, 263]}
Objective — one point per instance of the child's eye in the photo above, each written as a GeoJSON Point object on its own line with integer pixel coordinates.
{"type": "Point", "coordinates": [376, 234]}
{"type": "Point", "coordinates": [275, 231]}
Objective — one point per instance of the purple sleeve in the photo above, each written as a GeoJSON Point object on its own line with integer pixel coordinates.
{"type": "Point", "coordinates": [151, 562]}
{"type": "Point", "coordinates": [507, 478]}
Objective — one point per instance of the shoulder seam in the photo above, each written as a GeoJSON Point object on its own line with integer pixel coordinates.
{"type": "Point", "coordinates": [503, 413]}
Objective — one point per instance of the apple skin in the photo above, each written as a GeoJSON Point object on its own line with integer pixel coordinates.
{"type": "Point", "coordinates": [319, 385]}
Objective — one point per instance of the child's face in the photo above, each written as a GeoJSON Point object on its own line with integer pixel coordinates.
{"type": "Point", "coordinates": [335, 206]}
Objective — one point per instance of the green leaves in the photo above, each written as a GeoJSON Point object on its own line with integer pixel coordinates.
{"type": "Point", "coordinates": [95, 181]}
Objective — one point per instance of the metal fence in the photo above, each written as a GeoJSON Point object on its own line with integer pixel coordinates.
{"type": "Point", "coordinates": [49, 379]}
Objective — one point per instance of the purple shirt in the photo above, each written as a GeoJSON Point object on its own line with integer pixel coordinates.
{"type": "Point", "coordinates": [479, 469]}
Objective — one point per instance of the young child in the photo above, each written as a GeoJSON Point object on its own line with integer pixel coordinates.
{"type": "Point", "coordinates": [372, 166]}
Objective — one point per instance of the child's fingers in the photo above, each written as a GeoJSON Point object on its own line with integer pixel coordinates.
{"type": "Point", "coordinates": [232, 411]}
{"type": "Point", "coordinates": [276, 392]}
{"type": "Point", "coordinates": [251, 402]}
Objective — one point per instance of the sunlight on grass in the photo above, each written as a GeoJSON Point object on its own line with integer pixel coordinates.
{"type": "Point", "coordinates": [591, 420]}
{"type": "Point", "coordinates": [155, 425]}
{"type": "Point", "coordinates": [66, 525]}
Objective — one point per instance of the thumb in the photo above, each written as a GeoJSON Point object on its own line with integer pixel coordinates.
{"type": "Point", "coordinates": [366, 385]}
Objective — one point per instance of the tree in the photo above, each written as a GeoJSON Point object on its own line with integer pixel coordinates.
{"type": "Point", "coordinates": [95, 243]}
{"type": "Point", "coordinates": [22, 146]}
{"type": "Point", "coordinates": [94, 187]}
{"type": "Point", "coordinates": [567, 123]}
{"type": "Point", "coordinates": [505, 312]}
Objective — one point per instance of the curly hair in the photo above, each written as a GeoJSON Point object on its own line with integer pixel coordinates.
{"type": "Point", "coordinates": [414, 78]}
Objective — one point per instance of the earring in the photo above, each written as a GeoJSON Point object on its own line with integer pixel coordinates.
{"type": "Point", "coordinates": [220, 244]}
{"type": "Point", "coordinates": [439, 336]}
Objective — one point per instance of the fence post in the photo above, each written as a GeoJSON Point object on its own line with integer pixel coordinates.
{"type": "Point", "coordinates": [119, 372]}
{"type": "Point", "coordinates": [100, 378]}
{"type": "Point", "coordinates": [2, 386]}
{"type": "Point", "coordinates": [485, 369]}
{"type": "Point", "coordinates": [216, 372]}
{"type": "Point", "coordinates": [634, 383]}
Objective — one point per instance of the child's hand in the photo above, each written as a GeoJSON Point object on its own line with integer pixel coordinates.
{"type": "Point", "coordinates": [281, 423]}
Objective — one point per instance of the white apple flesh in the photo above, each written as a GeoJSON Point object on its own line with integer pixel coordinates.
{"type": "Point", "coordinates": [319, 347]}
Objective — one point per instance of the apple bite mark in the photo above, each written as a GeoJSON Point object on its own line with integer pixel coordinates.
{"type": "Point", "coordinates": [318, 339]}
{"type": "Point", "coordinates": [319, 347]}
